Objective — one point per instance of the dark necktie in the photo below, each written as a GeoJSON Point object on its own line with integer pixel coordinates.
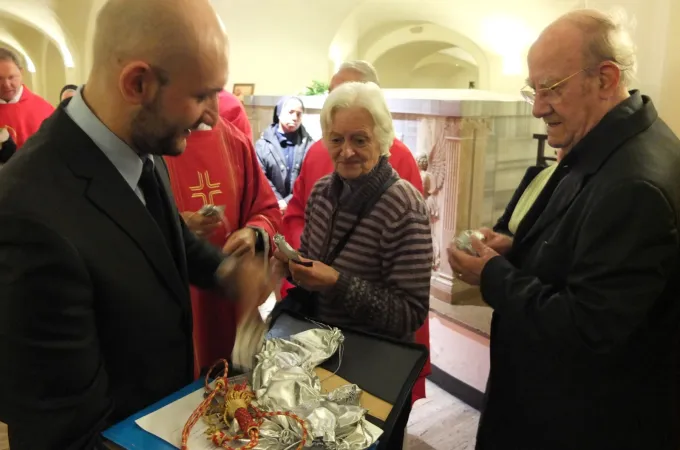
{"type": "Point", "coordinates": [155, 202]}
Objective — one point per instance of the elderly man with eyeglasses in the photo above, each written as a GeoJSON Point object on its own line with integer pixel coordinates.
{"type": "Point", "coordinates": [586, 292]}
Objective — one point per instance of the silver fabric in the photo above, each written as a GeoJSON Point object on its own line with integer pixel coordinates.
{"type": "Point", "coordinates": [284, 380]}
{"type": "Point", "coordinates": [464, 241]}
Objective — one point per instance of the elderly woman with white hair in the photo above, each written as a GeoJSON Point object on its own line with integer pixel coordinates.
{"type": "Point", "coordinates": [366, 249]}
{"type": "Point", "coordinates": [367, 233]}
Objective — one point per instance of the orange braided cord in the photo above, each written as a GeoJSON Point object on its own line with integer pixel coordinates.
{"type": "Point", "coordinates": [222, 440]}
{"type": "Point", "coordinates": [198, 413]}
{"type": "Point", "coordinates": [237, 401]}
{"type": "Point", "coordinates": [219, 437]}
{"type": "Point", "coordinates": [220, 385]}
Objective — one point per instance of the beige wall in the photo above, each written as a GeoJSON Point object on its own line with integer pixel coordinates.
{"type": "Point", "coordinates": [318, 35]}
{"type": "Point", "coordinates": [442, 76]}
{"type": "Point", "coordinates": [401, 68]}
{"type": "Point", "coordinates": [669, 104]}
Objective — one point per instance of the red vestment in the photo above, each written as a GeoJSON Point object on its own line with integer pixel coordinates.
{"type": "Point", "coordinates": [23, 118]}
{"type": "Point", "coordinates": [232, 110]}
{"type": "Point", "coordinates": [220, 167]}
{"type": "Point", "coordinates": [317, 164]}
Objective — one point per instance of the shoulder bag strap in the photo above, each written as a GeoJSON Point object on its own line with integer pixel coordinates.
{"type": "Point", "coordinates": [368, 206]}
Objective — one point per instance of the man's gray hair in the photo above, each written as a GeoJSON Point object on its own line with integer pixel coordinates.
{"type": "Point", "coordinates": [365, 68]}
{"type": "Point", "coordinates": [363, 95]}
{"type": "Point", "coordinates": [607, 38]}
{"type": "Point", "coordinates": [8, 55]}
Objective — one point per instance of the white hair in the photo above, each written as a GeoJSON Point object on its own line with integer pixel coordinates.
{"type": "Point", "coordinates": [362, 95]}
{"type": "Point", "coordinates": [365, 68]}
{"type": "Point", "coordinates": [608, 38]}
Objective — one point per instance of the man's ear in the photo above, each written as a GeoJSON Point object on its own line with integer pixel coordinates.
{"type": "Point", "coordinates": [138, 83]}
{"type": "Point", "coordinates": [609, 78]}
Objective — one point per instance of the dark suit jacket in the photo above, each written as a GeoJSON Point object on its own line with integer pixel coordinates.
{"type": "Point", "coordinates": [95, 314]}
{"type": "Point", "coordinates": [7, 149]}
{"type": "Point", "coordinates": [587, 303]}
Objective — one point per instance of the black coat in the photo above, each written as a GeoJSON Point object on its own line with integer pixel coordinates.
{"type": "Point", "coordinates": [95, 315]}
{"type": "Point", "coordinates": [7, 150]}
{"type": "Point", "coordinates": [587, 303]}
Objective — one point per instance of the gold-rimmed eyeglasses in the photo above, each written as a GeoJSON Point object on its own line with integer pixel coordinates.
{"type": "Point", "coordinates": [548, 94]}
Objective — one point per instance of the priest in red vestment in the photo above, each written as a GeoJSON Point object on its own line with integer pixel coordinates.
{"type": "Point", "coordinates": [232, 110]}
{"type": "Point", "coordinates": [21, 111]}
{"type": "Point", "coordinates": [219, 167]}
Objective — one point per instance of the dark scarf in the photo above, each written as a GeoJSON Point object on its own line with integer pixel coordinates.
{"type": "Point", "coordinates": [350, 195]}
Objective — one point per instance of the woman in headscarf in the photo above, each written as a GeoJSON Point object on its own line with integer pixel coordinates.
{"type": "Point", "coordinates": [283, 146]}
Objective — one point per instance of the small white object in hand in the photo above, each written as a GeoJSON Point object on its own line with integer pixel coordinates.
{"type": "Point", "coordinates": [464, 241]}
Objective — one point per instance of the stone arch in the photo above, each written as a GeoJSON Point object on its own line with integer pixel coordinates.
{"type": "Point", "coordinates": [445, 57]}
{"type": "Point", "coordinates": [91, 26]}
{"type": "Point", "coordinates": [7, 39]}
{"type": "Point", "coordinates": [431, 33]}
{"type": "Point", "coordinates": [41, 18]}
{"type": "Point", "coordinates": [343, 46]}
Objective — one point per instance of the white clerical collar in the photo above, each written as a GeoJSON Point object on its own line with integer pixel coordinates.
{"type": "Point", "coordinates": [16, 97]}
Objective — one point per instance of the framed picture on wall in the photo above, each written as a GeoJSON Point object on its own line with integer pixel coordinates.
{"type": "Point", "coordinates": [242, 90]}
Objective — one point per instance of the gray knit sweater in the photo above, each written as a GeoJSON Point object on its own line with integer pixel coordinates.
{"type": "Point", "coordinates": [385, 268]}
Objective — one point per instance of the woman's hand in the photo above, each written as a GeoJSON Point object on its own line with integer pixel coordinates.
{"type": "Point", "coordinates": [317, 277]}
{"type": "Point", "coordinates": [278, 264]}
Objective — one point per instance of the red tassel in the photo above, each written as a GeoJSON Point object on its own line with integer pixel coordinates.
{"type": "Point", "coordinates": [245, 421]}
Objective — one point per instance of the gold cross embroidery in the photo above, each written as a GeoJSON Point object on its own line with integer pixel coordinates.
{"type": "Point", "coordinates": [203, 182]}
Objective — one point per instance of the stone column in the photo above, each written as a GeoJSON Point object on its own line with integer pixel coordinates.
{"type": "Point", "coordinates": [461, 199]}
{"type": "Point", "coordinates": [669, 104]}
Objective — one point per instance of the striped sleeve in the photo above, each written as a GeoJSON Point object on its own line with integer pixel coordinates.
{"type": "Point", "coordinates": [398, 304]}
{"type": "Point", "coordinates": [316, 192]}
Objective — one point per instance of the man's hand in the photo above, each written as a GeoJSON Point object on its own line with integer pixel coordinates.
{"type": "Point", "coordinates": [200, 225]}
{"type": "Point", "coordinates": [245, 278]}
{"type": "Point", "coordinates": [500, 243]}
{"type": "Point", "coordinates": [4, 135]}
{"type": "Point", "coordinates": [317, 277]}
{"type": "Point", "coordinates": [283, 205]}
{"type": "Point", "coordinates": [466, 267]}
{"type": "Point", "coordinates": [241, 242]}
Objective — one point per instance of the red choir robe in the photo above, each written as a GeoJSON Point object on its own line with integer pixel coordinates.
{"type": "Point", "coordinates": [318, 163]}
{"type": "Point", "coordinates": [220, 167]}
{"type": "Point", "coordinates": [232, 110]}
{"type": "Point", "coordinates": [23, 118]}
